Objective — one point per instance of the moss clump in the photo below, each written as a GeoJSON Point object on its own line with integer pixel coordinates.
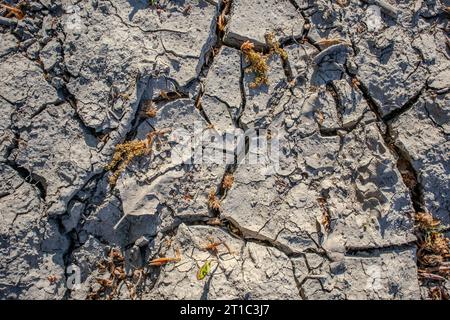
{"type": "Point", "coordinates": [275, 47]}
{"type": "Point", "coordinates": [127, 151]}
{"type": "Point", "coordinates": [258, 64]}
{"type": "Point", "coordinates": [258, 60]}
{"type": "Point", "coordinates": [123, 155]}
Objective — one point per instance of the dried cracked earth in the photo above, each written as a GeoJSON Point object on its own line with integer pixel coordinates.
{"type": "Point", "coordinates": [361, 115]}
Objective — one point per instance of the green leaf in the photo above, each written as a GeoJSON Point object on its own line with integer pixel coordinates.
{"type": "Point", "coordinates": [204, 270]}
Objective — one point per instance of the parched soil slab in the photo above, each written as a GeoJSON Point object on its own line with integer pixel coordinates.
{"type": "Point", "coordinates": [140, 160]}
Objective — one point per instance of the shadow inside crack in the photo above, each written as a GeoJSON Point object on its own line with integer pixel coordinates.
{"type": "Point", "coordinates": [137, 5]}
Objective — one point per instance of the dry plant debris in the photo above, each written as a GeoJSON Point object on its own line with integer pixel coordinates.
{"type": "Point", "coordinates": [168, 95]}
{"type": "Point", "coordinates": [258, 60]}
{"type": "Point", "coordinates": [214, 222]}
{"type": "Point", "coordinates": [123, 155]}
{"type": "Point", "coordinates": [165, 260]}
{"type": "Point", "coordinates": [433, 254]}
{"type": "Point", "coordinates": [150, 110]}
{"type": "Point", "coordinates": [326, 219]}
{"type": "Point", "coordinates": [342, 3]}
{"type": "Point", "coordinates": [221, 19]}
{"type": "Point", "coordinates": [275, 47]}
{"type": "Point", "coordinates": [114, 268]}
{"type": "Point", "coordinates": [320, 117]}
{"type": "Point", "coordinates": [127, 151]}
{"type": "Point", "coordinates": [13, 11]}
{"type": "Point", "coordinates": [330, 42]}
{"type": "Point", "coordinates": [355, 83]}
{"type": "Point", "coordinates": [213, 201]}
{"type": "Point", "coordinates": [258, 64]}
{"type": "Point", "coordinates": [52, 279]}
{"type": "Point", "coordinates": [227, 182]}
{"type": "Point", "coordinates": [213, 246]}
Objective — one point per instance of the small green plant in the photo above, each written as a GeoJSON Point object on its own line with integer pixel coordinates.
{"type": "Point", "coordinates": [123, 155]}
{"type": "Point", "coordinates": [204, 270]}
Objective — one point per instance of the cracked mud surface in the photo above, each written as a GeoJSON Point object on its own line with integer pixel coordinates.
{"type": "Point", "coordinates": [362, 124]}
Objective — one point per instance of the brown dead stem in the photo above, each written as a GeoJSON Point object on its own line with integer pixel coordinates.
{"type": "Point", "coordinates": [331, 41]}
{"type": "Point", "coordinates": [221, 19]}
{"type": "Point", "coordinates": [13, 11]}
{"type": "Point", "coordinates": [165, 260]}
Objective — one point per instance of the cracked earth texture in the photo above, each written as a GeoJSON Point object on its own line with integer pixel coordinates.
{"type": "Point", "coordinates": [355, 118]}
